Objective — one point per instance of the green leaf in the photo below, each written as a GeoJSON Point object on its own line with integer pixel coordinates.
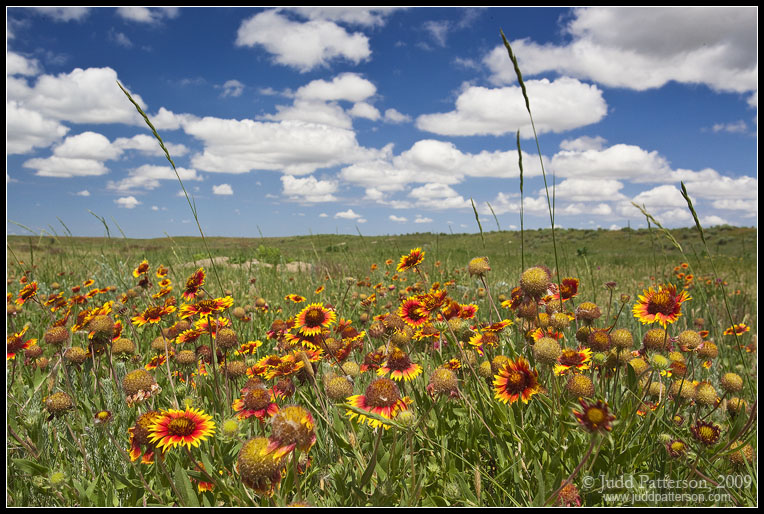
{"type": "Point", "coordinates": [541, 491]}
{"type": "Point", "coordinates": [31, 468]}
{"type": "Point", "coordinates": [185, 488]}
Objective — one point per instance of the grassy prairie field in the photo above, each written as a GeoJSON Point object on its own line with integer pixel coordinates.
{"type": "Point", "coordinates": [277, 391]}
{"type": "Point", "coordinates": [576, 367]}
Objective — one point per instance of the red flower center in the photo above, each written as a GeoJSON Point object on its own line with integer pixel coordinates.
{"type": "Point", "coordinates": [398, 361]}
{"type": "Point", "coordinates": [181, 427]}
{"type": "Point", "coordinates": [153, 313]}
{"type": "Point", "coordinates": [382, 393]}
{"type": "Point", "coordinates": [314, 317]}
{"type": "Point", "coordinates": [207, 305]}
{"type": "Point", "coordinates": [257, 399]}
{"type": "Point", "coordinates": [662, 302]}
{"type": "Point", "coordinates": [515, 381]}
{"type": "Point", "coordinates": [570, 357]}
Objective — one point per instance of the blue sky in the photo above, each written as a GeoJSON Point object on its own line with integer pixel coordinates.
{"type": "Point", "coordinates": [383, 121]}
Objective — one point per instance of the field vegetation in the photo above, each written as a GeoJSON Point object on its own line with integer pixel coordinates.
{"type": "Point", "coordinates": [531, 368]}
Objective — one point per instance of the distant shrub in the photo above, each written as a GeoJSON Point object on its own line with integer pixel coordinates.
{"type": "Point", "coordinates": [268, 254]}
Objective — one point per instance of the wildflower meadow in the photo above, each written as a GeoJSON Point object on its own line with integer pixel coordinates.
{"type": "Point", "coordinates": [528, 368]}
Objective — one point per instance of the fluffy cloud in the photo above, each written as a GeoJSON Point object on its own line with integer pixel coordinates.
{"type": "Point", "coordinates": [222, 189]}
{"type": "Point", "coordinates": [645, 47]}
{"type": "Point", "coordinates": [397, 219]}
{"type": "Point", "coordinates": [27, 129]}
{"type": "Point", "coordinates": [318, 102]}
{"type": "Point", "coordinates": [364, 110]}
{"type": "Point", "coordinates": [147, 14]}
{"type": "Point", "coordinates": [128, 202]}
{"type": "Point", "coordinates": [291, 146]}
{"type": "Point", "coordinates": [557, 106]}
{"type": "Point", "coordinates": [364, 16]}
{"type": "Point", "coordinates": [81, 96]}
{"type": "Point", "coordinates": [165, 119]}
{"type": "Point", "coordinates": [713, 220]}
{"type": "Point", "coordinates": [309, 189]}
{"type": "Point", "coordinates": [232, 88]}
{"type": "Point", "coordinates": [80, 155]}
{"type": "Point", "coordinates": [618, 162]}
{"type": "Point", "coordinates": [584, 160]}
{"type": "Point", "coordinates": [148, 176]}
{"type": "Point", "coordinates": [88, 145]}
{"type": "Point", "coordinates": [148, 145]}
{"type": "Point", "coordinates": [304, 46]}
{"type": "Point", "coordinates": [347, 215]}
{"type": "Point", "coordinates": [346, 86]}
{"type": "Point", "coordinates": [64, 14]}
{"type": "Point", "coordinates": [505, 203]}
{"type": "Point", "coordinates": [438, 196]}
{"type": "Point", "coordinates": [16, 64]}
{"type": "Point", "coordinates": [430, 160]}
{"type": "Point", "coordinates": [393, 116]}
{"type": "Point", "coordinates": [312, 111]}
{"type": "Point", "coordinates": [578, 190]}
{"type": "Point", "coordinates": [65, 168]}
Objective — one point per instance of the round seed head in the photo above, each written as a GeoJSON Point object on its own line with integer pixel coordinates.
{"type": "Point", "coordinates": [58, 403]}
{"type": "Point", "coordinates": [655, 339]}
{"type": "Point", "coordinates": [338, 388]}
{"type": "Point", "coordinates": [186, 358]}
{"type": "Point", "coordinates": [547, 350]}
{"type": "Point", "coordinates": [559, 321]}
{"type": "Point", "coordinates": [226, 339]}
{"type": "Point", "coordinates": [731, 382]}
{"type": "Point", "coordinates": [235, 369]}
{"type": "Point", "coordinates": [535, 282]}
{"type": "Point", "coordinates": [579, 386]}
{"type": "Point", "coordinates": [705, 394]}
{"type": "Point", "coordinates": [259, 469]}
{"type": "Point", "coordinates": [621, 338]}
{"type": "Point", "coordinates": [709, 350]}
{"type": "Point", "coordinates": [136, 381]}
{"type": "Point", "coordinates": [689, 339]}
{"type": "Point", "coordinates": [443, 381]}
{"type": "Point", "coordinates": [478, 266]}
{"type": "Point", "coordinates": [56, 336]}
{"type": "Point", "coordinates": [122, 346]}
{"type": "Point", "coordinates": [76, 355]}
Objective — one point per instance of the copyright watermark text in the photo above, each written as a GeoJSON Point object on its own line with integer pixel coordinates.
{"type": "Point", "coordinates": [636, 488]}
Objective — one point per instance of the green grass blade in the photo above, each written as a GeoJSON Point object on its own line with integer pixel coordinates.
{"type": "Point", "coordinates": [477, 218]}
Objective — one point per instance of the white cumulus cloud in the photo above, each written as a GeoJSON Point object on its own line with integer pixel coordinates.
{"type": "Point", "coordinates": [222, 189]}
{"type": "Point", "coordinates": [645, 47]}
{"type": "Point", "coordinates": [127, 202]}
{"type": "Point", "coordinates": [302, 45]}
{"type": "Point", "coordinates": [309, 189]}
{"type": "Point", "coordinates": [558, 106]}
{"type": "Point", "coordinates": [348, 215]}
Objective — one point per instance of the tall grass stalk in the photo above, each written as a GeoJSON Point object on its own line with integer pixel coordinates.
{"type": "Point", "coordinates": [687, 198]}
{"type": "Point", "coordinates": [550, 203]}
{"type": "Point", "coordinates": [522, 227]}
{"type": "Point", "coordinates": [192, 205]}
